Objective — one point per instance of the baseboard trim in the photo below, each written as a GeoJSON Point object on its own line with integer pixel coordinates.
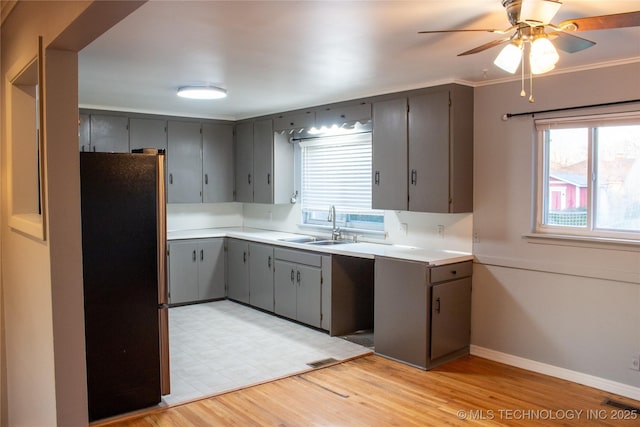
{"type": "Point", "coordinates": [554, 371]}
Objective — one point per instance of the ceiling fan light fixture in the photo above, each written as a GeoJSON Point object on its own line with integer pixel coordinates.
{"type": "Point", "coordinates": [541, 11]}
{"type": "Point", "coordinates": [509, 58]}
{"type": "Point", "coordinates": [543, 56]}
{"type": "Point", "coordinates": [202, 92]}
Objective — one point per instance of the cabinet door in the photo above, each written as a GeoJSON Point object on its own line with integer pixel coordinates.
{"type": "Point", "coordinates": [244, 162]}
{"type": "Point", "coordinates": [390, 156]}
{"type": "Point", "coordinates": [400, 310]}
{"type": "Point", "coordinates": [238, 270]}
{"type": "Point", "coordinates": [147, 133]}
{"type": "Point", "coordinates": [184, 159]}
{"type": "Point", "coordinates": [183, 272]}
{"type": "Point", "coordinates": [308, 281]}
{"type": "Point", "coordinates": [429, 152]}
{"type": "Point", "coordinates": [285, 289]}
{"type": "Point", "coordinates": [211, 269]}
{"type": "Point", "coordinates": [263, 161]}
{"type": "Point", "coordinates": [450, 317]}
{"type": "Point", "coordinates": [261, 276]}
{"type": "Point", "coordinates": [109, 134]}
{"type": "Point", "coordinates": [84, 132]}
{"type": "Point", "coordinates": [217, 163]}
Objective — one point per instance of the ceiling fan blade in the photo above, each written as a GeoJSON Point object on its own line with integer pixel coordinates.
{"type": "Point", "coordinates": [569, 43]}
{"type": "Point", "coordinates": [603, 22]}
{"type": "Point", "coordinates": [486, 46]}
{"type": "Point", "coordinates": [486, 30]}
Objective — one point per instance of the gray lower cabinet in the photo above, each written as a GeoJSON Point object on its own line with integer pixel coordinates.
{"type": "Point", "coordinates": [196, 270]}
{"type": "Point", "coordinates": [422, 314]}
{"type": "Point", "coordinates": [238, 270]}
{"type": "Point", "coordinates": [261, 266]}
{"type": "Point", "coordinates": [298, 286]}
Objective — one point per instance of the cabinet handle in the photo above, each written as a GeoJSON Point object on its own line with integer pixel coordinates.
{"type": "Point", "coordinates": [194, 255]}
{"type": "Point", "coordinates": [414, 177]}
{"type": "Point", "coordinates": [170, 178]}
{"type": "Point", "coordinates": [268, 179]}
{"type": "Point", "coordinates": [292, 275]}
{"type": "Point", "coordinates": [376, 178]}
{"type": "Point", "coordinates": [438, 305]}
{"type": "Point", "coordinates": [244, 257]}
{"type": "Point", "coordinates": [269, 262]}
{"type": "Point", "coordinates": [201, 254]}
{"type": "Point", "coordinates": [298, 278]}
{"type": "Point", "coordinates": [453, 272]}
{"type": "Point", "coordinates": [206, 179]}
{"type": "Point", "coordinates": [249, 178]}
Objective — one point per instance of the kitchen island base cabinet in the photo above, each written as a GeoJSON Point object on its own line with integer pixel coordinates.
{"type": "Point", "coordinates": [196, 270]}
{"type": "Point", "coordinates": [422, 314]}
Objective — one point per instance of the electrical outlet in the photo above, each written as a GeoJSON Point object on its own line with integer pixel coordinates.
{"type": "Point", "coordinates": [404, 228]}
{"type": "Point", "coordinates": [635, 363]}
{"type": "Point", "coordinates": [441, 231]}
{"type": "Point", "coordinates": [476, 238]}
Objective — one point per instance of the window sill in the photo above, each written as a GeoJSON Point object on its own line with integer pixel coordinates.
{"type": "Point", "coordinates": [583, 241]}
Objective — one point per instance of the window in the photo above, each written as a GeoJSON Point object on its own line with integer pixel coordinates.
{"type": "Point", "coordinates": [589, 176]}
{"type": "Point", "coordinates": [336, 171]}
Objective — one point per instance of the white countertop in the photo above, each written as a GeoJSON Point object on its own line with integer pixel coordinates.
{"type": "Point", "coordinates": [360, 249]}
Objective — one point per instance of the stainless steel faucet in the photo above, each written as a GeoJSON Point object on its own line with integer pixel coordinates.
{"type": "Point", "coordinates": [335, 231]}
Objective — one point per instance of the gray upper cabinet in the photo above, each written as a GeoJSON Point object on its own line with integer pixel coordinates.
{"type": "Point", "coordinates": [217, 163]}
{"type": "Point", "coordinates": [264, 163]}
{"type": "Point", "coordinates": [436, 156]}
{"type": "Point", "coordinates": [244, 162]}
{"type": "Point", "coordinates": [147, 133]}
{"type": "Point", "coordinates": [343, 114]}
{"type": "Point", "coordinates": [184, 159]}
{"type": "Point", "coordinates": [441, 151]}
{"type": "Point", "coordinates": [263, 152]}
{"type": "Point", "coordinates": [84, 132]}
{"type": "Point", "coordinates": [109, 134]}
{"type": "Point", "coordinates": [294, 121]}
{"type": "Point", "coordinates": [389, 168]}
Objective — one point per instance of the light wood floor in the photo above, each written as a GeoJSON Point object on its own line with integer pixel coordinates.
{"type": "Point", "coordinates": [373, 391]}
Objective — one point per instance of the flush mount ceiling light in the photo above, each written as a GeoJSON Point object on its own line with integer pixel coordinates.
{"type": "Point", "coordinates": [529, 21]}
{"type": "Point", "coordinates": [202, 92]}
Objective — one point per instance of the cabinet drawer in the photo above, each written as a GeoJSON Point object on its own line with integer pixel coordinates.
{"type": "Point", "coordinates": [299, 257]}
{"type": "Point", "coordinates": [451, 271]}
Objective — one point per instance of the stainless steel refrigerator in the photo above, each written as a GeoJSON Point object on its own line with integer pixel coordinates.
{"type": "Point", "coordinates": [124, 271]}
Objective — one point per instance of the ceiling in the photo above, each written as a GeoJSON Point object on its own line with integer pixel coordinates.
{"type": "Point", "coordinates": [275, 56]}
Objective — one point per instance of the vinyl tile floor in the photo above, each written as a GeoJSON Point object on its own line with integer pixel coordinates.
{"type": "Point", "coordinates": [222, 345]}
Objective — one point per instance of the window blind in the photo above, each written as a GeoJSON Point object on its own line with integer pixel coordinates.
{"type": "Point", "coordinates": [336, 170]}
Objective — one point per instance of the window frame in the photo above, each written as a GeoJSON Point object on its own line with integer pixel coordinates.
{"type": "Point", "coordinates": [590, 232]}
{"type": "Point", "coordinates": [346, 221]}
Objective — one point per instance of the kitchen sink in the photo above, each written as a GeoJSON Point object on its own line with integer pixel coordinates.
{"type": "Point", "coordinates": [328, 242]}
{"type": "Point", "coordinates": [299, 239]}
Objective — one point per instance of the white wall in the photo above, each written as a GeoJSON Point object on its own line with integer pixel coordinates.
{"type": "Point", "coordinates": [571, 307]}
{"type": "Point", "coordinates": [404, 228]}
{"type": "Point", "coordinates": [189, 216]}
{"type": "Point", "coordinates": [43, 378]}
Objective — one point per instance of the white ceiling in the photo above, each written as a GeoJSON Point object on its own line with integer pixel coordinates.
{"type": "Point", "coordinates": [274, 56]}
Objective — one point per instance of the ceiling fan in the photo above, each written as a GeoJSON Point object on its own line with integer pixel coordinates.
{"type": "Point", "coordinates": [530, 20]}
